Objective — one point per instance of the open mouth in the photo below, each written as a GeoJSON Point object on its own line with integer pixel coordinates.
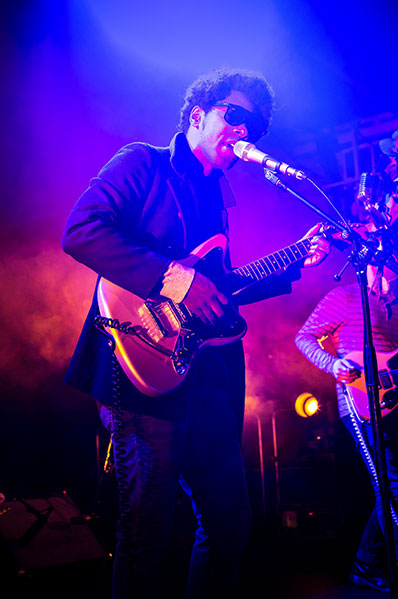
{"type": "Point", "coordinates": [230, 144]}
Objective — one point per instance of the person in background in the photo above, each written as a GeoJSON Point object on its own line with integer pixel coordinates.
{"type": "Point", "coordinates": [338, 317]}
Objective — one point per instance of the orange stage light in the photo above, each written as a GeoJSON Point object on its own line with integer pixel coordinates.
{"type": "Point", "coordinates": [306, 405]}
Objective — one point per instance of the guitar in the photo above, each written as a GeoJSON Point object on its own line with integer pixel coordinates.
{"type": "Point", "coordinates": [387, 366]}
{"type": "Point", "coordinates": [156, 341]}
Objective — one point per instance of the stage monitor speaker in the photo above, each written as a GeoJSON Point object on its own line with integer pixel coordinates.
{"type": "Point", "coordinates": [41, 533]}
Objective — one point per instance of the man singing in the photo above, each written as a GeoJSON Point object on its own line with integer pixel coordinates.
{"type": "Point", "coordinates": [148, 208]}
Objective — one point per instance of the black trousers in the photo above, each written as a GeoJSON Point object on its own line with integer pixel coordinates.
{"type": "Point", "coordinates": [372, 546]}
{"type": "Point", "coordinates": [202, 454]}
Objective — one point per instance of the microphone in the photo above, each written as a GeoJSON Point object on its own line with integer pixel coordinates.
{"type": "Point", "coordinates": [370, 188]}
{"type": "Point", "coordinates": [249, 153]}
{"type": "Point", "coordinates": [370, 194]}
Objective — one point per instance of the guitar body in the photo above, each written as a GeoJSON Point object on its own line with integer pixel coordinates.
{"type": "Point", "coordinates": [156, 342]}
{"type": "Point", "coordinates": [387, 365]}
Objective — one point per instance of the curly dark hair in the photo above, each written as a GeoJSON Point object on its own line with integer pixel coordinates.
{"type": "Point", "coordinates": [218, 84]}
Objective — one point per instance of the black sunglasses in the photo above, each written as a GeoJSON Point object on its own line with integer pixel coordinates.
{"type": "Point", "coordinates": [237, 115]}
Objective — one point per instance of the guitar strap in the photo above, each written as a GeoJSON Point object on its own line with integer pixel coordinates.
{"type": "Point", "coordinates": [118, 440]}
{"type": "Point", "coordinates": [364, 446]}
{"type": "Point", "coordinates": [102, 321]}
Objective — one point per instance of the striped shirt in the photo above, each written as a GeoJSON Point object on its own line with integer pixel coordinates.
{"type": "Point", "coordinates": [338, 316]}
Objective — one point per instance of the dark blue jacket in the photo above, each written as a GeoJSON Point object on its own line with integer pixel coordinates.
{"type": "Point", "coordinates": [147, 206]}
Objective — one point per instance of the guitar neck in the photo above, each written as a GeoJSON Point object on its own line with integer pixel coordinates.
{"type": "Point", "coordinates": [260, 269]}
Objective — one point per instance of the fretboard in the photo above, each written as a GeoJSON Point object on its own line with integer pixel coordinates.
{"type": "Point", "coordinates": [260, 269]}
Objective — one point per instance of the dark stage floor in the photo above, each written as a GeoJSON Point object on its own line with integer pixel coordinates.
{"type": "Point", "coordinates": [274, 567]}
{"type": "Point", "coordinates": [309, 561]}
{"type": "Point", "coordinates": [92, 580]}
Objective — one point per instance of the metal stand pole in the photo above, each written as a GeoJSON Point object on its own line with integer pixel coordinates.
{"type": "Point", "coordinates": [372, 384]}
{"type": "Point", "coordinates": [361, 256]}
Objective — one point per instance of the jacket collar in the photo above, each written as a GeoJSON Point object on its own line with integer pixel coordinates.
{"type": "Point", "coordinates": [184, 162]}
{"type": "Point", "coordinates": [182, 159]}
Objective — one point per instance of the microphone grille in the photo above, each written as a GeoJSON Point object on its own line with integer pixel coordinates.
{"type": "Point", "coordinates": [369, 186]}
{"type": "Point", "coordinates": [241, 148]}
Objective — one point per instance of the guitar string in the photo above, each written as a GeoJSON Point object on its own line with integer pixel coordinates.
{"type": "Point", "coordinates": [271, 263]}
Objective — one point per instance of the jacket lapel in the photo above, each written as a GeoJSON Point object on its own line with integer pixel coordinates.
{"type": "Point", "coordinates": [184, 165]}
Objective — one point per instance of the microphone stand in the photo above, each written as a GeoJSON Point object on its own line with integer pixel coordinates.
{"type": "Point", "coordinates": [372, 385]}
{"type": "Point", "coordinates": [360, 257]}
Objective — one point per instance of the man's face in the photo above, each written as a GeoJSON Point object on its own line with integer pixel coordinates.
{"type": "Point", "coordinates": [216, 137]}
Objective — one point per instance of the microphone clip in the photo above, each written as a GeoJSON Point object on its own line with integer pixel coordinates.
{"type": "Point", "coordinates": [272, 177]}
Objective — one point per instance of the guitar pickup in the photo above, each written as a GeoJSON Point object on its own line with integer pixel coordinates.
{"type": "Point", "coordinates": [156, 319]}
{"type": "Point", "coordinates": [180, 312]}
{"type": "Point", "coordinates": [385, 379]}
